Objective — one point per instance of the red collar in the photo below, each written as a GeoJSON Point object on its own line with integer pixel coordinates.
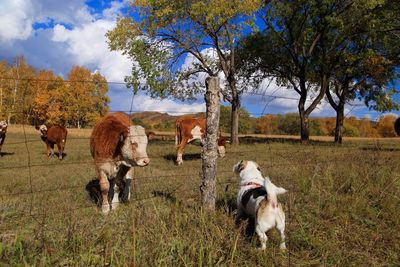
{"type": "Point", "coordinates": [254, 185]}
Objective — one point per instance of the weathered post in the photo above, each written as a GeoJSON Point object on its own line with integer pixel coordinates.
{"type": "Point", "coordinates": [209, 153]}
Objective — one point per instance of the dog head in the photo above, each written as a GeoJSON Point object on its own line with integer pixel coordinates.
{"type": "Point", "coordinates": [247, 168]}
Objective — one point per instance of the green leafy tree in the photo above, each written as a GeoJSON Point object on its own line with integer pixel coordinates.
{"type": "Point", "coordinates": [244, 119]}
{"type": "Point", "coordinates": [170, 30]}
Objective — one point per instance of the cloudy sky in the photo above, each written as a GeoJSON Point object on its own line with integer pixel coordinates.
{"type": "Point", "coordinates": [56, 35]}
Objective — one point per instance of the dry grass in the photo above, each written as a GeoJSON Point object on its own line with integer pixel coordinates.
{"type": "Point", "coordinates": [343, 207]}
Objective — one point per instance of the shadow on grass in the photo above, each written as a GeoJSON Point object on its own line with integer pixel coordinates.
{"type": "Point", "coordinates": [6, 154]}
{"type": "Point", "coordinates": [187, 157]}
{"type": "Point", "coordinates": [164, 194]}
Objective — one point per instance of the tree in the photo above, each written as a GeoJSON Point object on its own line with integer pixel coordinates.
{"type": "Point", "coordinates": [365, 63]}
{"type": "Point", "coordinates": [18, 91]}
{"type": "Point", "coordinates": [86, 99]}
{"type": "Point", "coordinates": [385, 126]}
{"type": "Point", "coordinates": [302, 45]}
{"type": "Point", "coordinates": [244, 119]}
{"type": "Point", "coordinates": [266, 124]}
{"type": "Point", "coordinates": [170, 30]}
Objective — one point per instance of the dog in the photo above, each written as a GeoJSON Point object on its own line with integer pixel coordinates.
{"type": "Point", "coordinates": [257, 198]}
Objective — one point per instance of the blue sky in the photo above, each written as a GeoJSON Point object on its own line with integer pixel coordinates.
{"type": "Point", "coordinates": [57, 35]}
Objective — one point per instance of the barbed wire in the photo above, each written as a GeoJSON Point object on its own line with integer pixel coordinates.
{"type": "Point", "coordinates": [274, 159]}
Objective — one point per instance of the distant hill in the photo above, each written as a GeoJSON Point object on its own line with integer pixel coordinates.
{"type": "Point", "coordinates": [158, 120]}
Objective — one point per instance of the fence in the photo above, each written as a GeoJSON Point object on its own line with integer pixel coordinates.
{"type": "Point", "coordinates": [295, 161]}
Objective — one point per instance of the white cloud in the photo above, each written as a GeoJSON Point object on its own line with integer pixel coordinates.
{"type": "Point", "coordinates": [16, 18]}
{"type": "Point", "coordinates": [122, 100]}
{"type": "Point", "coordinates": [86, 44]}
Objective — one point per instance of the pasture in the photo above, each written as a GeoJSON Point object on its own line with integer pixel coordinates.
{"type": "Point", "coordinates": [343, 206]}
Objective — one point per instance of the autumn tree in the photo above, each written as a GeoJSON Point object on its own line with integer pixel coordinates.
{"type": "Point", "coordinates": [17, 90]}
{"type": "Point", "coordinates": [85, 99]}
{"type": "Point", "coordinates": [49, 101]}
{"type": "Point", "coordinates": [385, 126]}
{"type": "Point", "coordinates": [169, 31]}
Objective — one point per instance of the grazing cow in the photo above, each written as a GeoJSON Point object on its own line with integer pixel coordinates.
{"type": "Point", "coordinates": [190, 129]}
{"type": "Point", "coordinates": [51, 135]}
{"type": "Point", "coordinates": [116, 146]}
{"type": "Point", "coordinates": [397, 126]}
{"type": "Point", "coordinates": [3, 131]}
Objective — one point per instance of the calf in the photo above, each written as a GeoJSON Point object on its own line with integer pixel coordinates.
{"type": "Point", "coordinates": [51, 135]}
{"type": "Point", "coordinates": [190, 129]}
{"type": "Point", "coordinates": [3, 131]}
{"type": "Point", "coordinates": [116, 146]}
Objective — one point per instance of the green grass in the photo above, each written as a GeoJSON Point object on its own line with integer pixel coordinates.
{"type": "Point", "coordinates": [343, 207]}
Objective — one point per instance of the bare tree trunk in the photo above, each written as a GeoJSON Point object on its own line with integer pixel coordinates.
{"type": "Point", "coordinates": [304, 125]}
{"type": "Point", "coordinates": [339, 122]}
{"type": "Point", "coordinates": [235, 121]}
{"type": "Point", "coordinates": [209, 153]}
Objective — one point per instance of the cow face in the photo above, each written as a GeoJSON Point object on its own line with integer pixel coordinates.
{"type": "Point", "coordinates": [134, 147]}
{"type": "Point", "coordinates": [43, 130]}
{"type": "Point", "coordinates": [3, 127]}
{"type": "Point", "coordinates": [221, 146]}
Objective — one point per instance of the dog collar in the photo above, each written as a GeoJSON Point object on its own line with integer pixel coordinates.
{"type": "Point", "coordinates": [253, 184]}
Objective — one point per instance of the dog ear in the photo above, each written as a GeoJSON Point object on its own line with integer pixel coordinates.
{"type": "Point", "coordinates": [239, 166]}
{"type": "Point", "coordinates": [280, 190]}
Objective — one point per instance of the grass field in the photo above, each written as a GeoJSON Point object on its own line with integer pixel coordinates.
{"type": "Point", "coordinates": [343, 206]}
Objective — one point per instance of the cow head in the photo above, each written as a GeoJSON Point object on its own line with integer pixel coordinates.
{"type": "Point", "coordinates": [3, 127]}
{"type": "Point", "coordinates": [221, 146]}
{"type": "Point", "coordinates": [134, 147]}
{"type": "Point", "coordinates": [42, 129]}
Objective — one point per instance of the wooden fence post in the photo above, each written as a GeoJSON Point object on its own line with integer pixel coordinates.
{"type": "Point", "coordinates": [209, 153]}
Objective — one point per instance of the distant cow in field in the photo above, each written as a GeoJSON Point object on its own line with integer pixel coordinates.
{"type": "Point", "coordinates": [3, 131]}
{"type": "Point", "coordinates": [116, 146]}
{"type": "Point", "coordinates": [397, 126]}
{"type": "Point", "coordinates": [53, 135]}
{"type": "Point", "coordinates": [190, 129]}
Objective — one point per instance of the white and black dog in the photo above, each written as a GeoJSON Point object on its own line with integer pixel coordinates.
{"type": "Point", "coordinates": [257, 197]}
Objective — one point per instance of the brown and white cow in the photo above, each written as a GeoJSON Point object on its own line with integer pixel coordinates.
{"type": "Point", "coordinates": [116, 146]}
{"type": "Point", "coordinates": [397, 126]}
{"type": "Point", "coordinates": [53, 135]}
{"type": "Point", "coordinates": [188, 130]}
{"type": "Point", "coordinates": [3, 131]}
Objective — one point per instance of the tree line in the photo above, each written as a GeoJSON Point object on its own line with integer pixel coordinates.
{"type": "Point", "coordinates": [28, 95]}
{"type": "Point", "coordinates": [337, 50]}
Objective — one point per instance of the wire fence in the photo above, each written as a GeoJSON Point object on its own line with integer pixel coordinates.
{"type": "Point", "coordinates": [281, 160]}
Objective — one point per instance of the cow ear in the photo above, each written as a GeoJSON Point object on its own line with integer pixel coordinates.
{"type": "Point", "coordinates": [123, 136]}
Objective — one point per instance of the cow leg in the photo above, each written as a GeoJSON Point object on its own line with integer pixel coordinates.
{"type": "Point", "coordinates": [48, 149]}
{"type": "Point", "coordinates": [113, 194]}
{"type": "Point", "coordinates": [104, 188]}
{"type": "Point", "coordinates": [60, 150]}
{"type": "Point", "coordinates": [124, 178]}
{"type": "Point", "coordinates": [179, 151]}
{"type": "Point", "coordinates": [1, 142]}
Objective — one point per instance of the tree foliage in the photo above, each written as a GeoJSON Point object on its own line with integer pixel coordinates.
{"type": "Point", "coordinates": [41, 96]}
{"type": "Point", "coordinates": [168, 32]}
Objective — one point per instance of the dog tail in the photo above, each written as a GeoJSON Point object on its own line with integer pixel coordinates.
{"type": "Point", "coordinates": [273, 190]}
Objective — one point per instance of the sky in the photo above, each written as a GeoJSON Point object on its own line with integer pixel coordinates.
{"type": "Point", "coordinates": [56, 35]}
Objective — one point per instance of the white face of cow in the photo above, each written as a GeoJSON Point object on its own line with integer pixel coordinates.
{"type": "Point", "coordinates": [43, 130]}
{"type": "Point", "coordinates": [221, 151]}
{"type": "Point", "coordinates": [3, 126]}
{"type": "Point", "coordinates": [134, 148]}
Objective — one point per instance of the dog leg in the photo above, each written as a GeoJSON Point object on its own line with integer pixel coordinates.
{"type": "Point", "coordinates": [263, 237]}
{"type": "Point", "coordinates": [280, 225]}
